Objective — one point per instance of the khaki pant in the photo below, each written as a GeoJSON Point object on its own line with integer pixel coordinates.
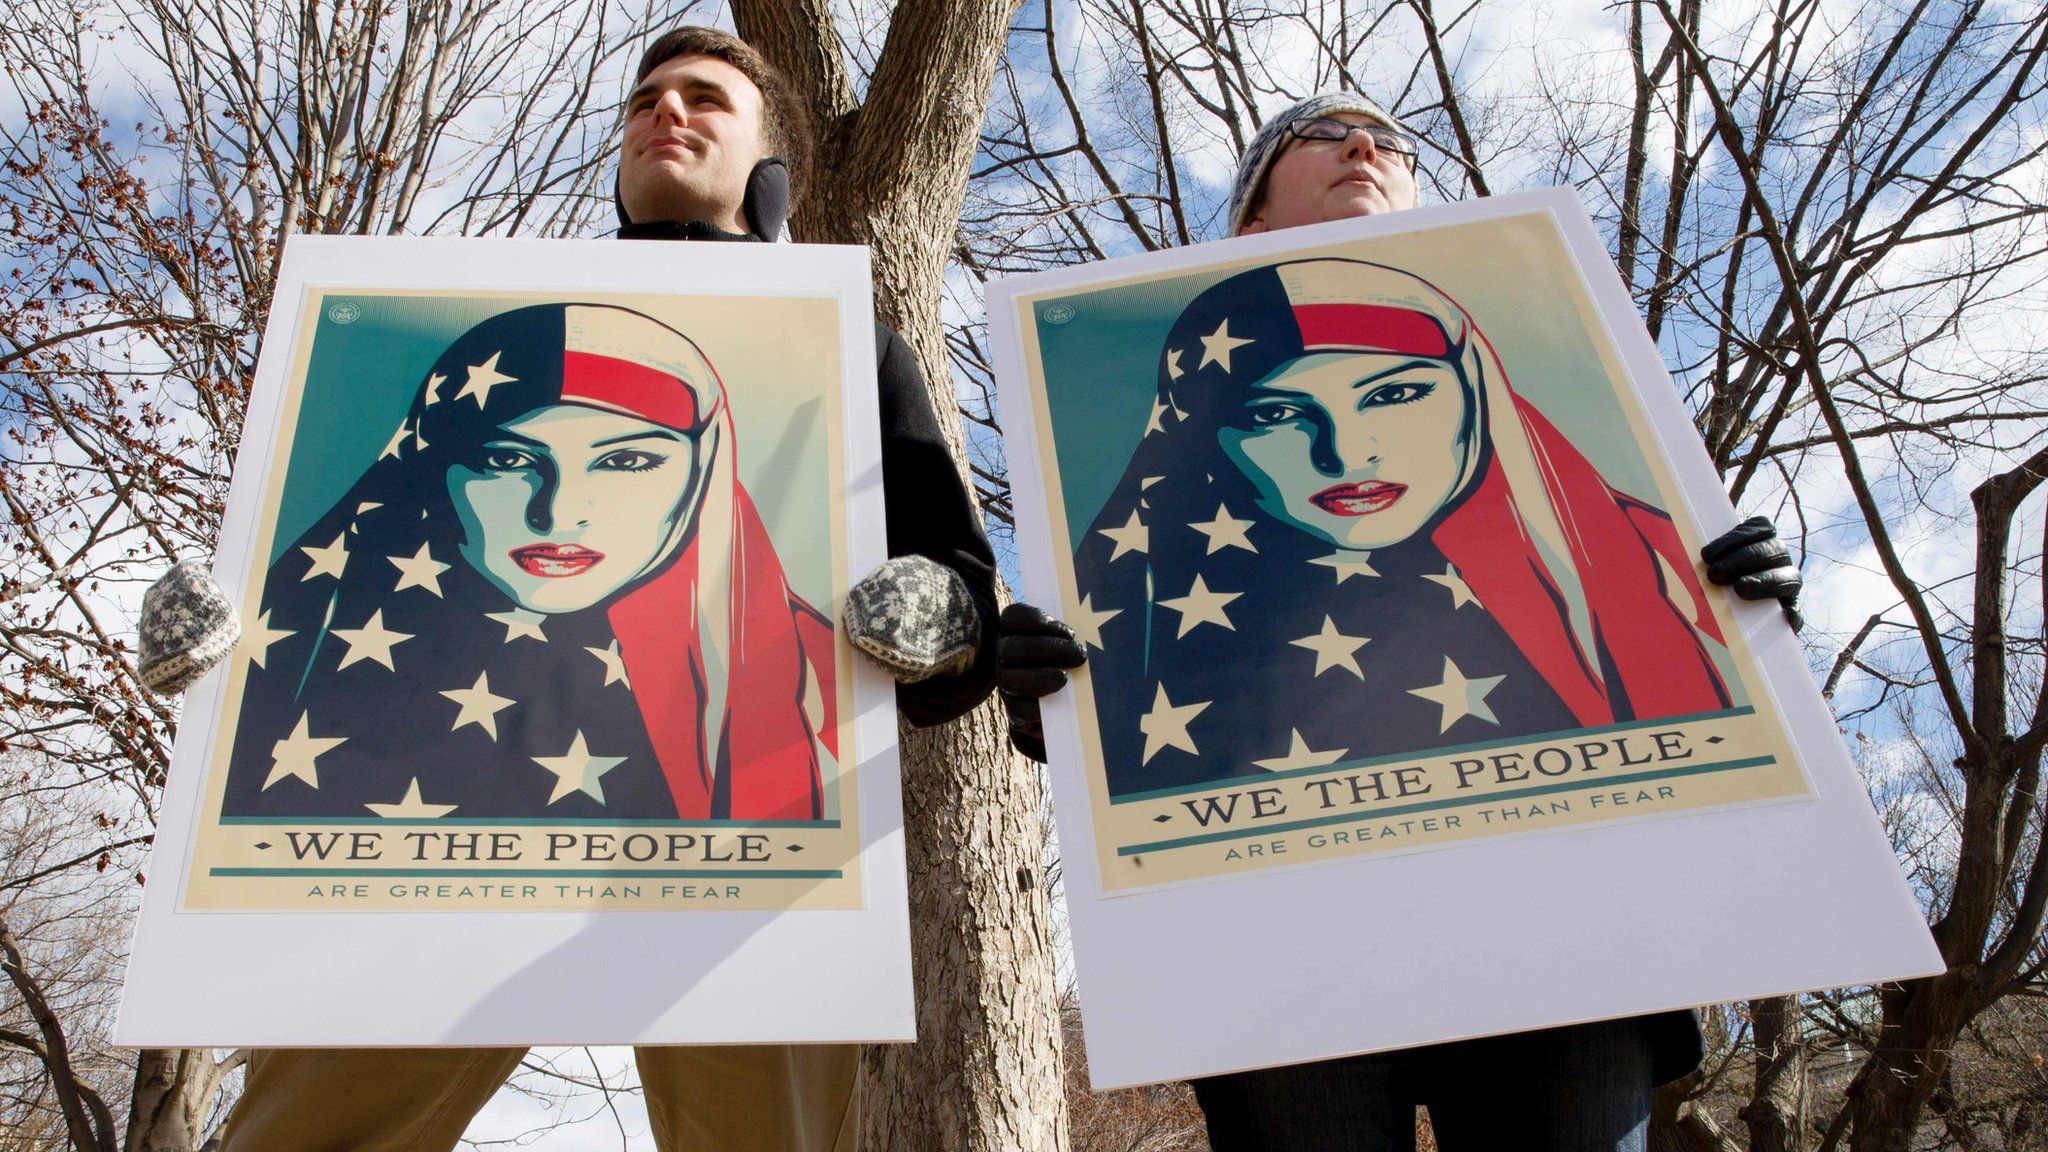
{"type": "Point", "coordinates": [756, 1098]}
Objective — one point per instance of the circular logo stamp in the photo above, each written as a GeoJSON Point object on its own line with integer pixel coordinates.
{"type": "Point", "coordinates": [345, 312]}
{"type": "Point", "coordinates": [1058, 314]}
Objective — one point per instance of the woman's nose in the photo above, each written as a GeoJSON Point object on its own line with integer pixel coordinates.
{"type": "Point", "coordinates": [558, 500]}
{"type": "Point", "coordinates": [540, 513]}
{"type": "Point", "coordinates": [1342, 450]}
{"type": "Point", "coordinates": [575, 501]}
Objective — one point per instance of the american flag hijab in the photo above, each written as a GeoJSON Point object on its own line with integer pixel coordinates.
{"type": "Point", "coordinates": [392, 677]}
{"type": "Point", "coordinates": [1228, 640]}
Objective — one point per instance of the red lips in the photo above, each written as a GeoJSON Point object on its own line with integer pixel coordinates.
{"type": "Point", "coordinates": [555, 559]}
{"type": "Point", "coordinates": [1358, 499]}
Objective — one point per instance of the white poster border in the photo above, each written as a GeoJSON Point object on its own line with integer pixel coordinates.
{"type": "Point", "coordinates": [295, 979]}
{"type": "Point", "coordinates": [1204, 978]}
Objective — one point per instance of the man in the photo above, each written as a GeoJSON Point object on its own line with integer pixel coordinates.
{"type": "Point", "coordinates": [1577, 1089]}
{"type": "Point", "coordinates": [713, 146]}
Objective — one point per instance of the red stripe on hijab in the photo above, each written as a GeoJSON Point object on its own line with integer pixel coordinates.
{"type": "Point", "coordinates": [1375, 326]}
{"type": "Point", "coordinates": [774, 767]}
{"type": "Point", "coordinates": [624, 386]}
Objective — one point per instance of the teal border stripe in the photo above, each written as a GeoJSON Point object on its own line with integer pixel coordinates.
{"type": "Point", "coordinates": [1428, 753]}
{"type": "Point", "coordinates": [1432, 805]}
{"type": "Point", "coordinates": [541, 873]}
{"type": "Point", "coordinates": [524, 821]}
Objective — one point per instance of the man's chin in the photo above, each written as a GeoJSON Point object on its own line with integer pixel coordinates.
{"type": "Point", "coordinates": [672, 192]}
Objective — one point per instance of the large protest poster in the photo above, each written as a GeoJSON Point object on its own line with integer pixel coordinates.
{"type": "Point", "coordinates": [539, 549]}
{"type": "Point", "coordinates": [1382, 536]}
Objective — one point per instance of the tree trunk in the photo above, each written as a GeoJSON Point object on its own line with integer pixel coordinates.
{"type": "Point", "coordinates": [891, 173]}
{"type": "Point", "coordinates": [1921, 1021]}
{"type": "Point", "coordinates": [1775, 1103]}
{"type": "Point", "coordinates": [1677, 1124]}
{"type": "Point", "coordinates": [985, 1073]}
{"type": "Point", "coordinates": [174, 1088]}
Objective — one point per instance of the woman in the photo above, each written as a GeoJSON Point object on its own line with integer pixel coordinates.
{"type": "Point", "coordinates": [549, 596]}
{"type": "Point", "coordinates": [1344, 535]}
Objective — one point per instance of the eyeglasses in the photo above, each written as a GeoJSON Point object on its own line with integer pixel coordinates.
{"type": "Point", "coordinates": [1323, 130]}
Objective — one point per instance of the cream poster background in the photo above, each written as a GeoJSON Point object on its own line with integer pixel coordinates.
{"type": "Point", "coordinates": [1225, 730]}
{"type": "Point", "coordinates": [661, 925]}
{"type": "Point", "coordinates": [442, 834]}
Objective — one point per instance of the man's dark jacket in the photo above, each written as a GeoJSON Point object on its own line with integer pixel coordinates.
{"type": "Point", "coordinates": [928, 508]}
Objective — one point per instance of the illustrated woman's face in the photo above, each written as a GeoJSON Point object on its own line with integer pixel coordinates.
{"type": "Point", "coordinates": [568, 504]}
{"type": "Point", "coordinates": [1360, 449]}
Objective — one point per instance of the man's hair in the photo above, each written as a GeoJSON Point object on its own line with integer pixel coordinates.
{"type": "Point", "coordinates": [785, 121]}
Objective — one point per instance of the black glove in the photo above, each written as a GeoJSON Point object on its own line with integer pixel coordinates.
{"type": "Point", "coordinates": [1752, 559]}
{"type": "Point", "coordinates": [1032, 657]}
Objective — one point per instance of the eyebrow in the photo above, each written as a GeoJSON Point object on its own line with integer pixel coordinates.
{"type": "Point", "coordinates": [508, 434]}
{"type": "Point", "coordinates": [689, 85]}
{"type": "Point", "coordinates": [1403, 367]}
{"type": "Point", "coordinates": [658, 434]}
{"type": "Point", "coordinates": [1270, 390]}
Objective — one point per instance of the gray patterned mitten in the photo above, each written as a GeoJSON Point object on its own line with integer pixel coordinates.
{"type": "Point", "coordinates": [915, 617]}
{"type": "Point", "coordinates": [188, 626]}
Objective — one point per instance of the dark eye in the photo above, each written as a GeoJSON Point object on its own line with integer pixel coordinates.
{"type": "Point", "coordinates": [630, 460]}
{"type": "Point", "coordinates": [1399, 392]}
{"type": "Point", "coordinates": [1388, 140]}
{"type": "Point", "coordinates": [1268, 415]}
{"type": "Point", "coordinates": [506, 460]}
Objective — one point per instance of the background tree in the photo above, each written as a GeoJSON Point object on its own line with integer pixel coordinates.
{"type": "Point", "coordinates": [891, 172]}
{"type": "Point", "coordinates": [153, 160]}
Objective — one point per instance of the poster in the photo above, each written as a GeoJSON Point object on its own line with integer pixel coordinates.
{"type": "Point", "coordinates": [540, 586]}
{"type": "Point", "coordinates": [1351, 576]}
{"type": "Point", "coordinates": [1382, 538]}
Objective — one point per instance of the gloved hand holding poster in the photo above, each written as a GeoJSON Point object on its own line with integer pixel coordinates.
{"type": "Point", "coordinates": [1409, 715]}
{"type": "Point", "coordinates": [541, 728]}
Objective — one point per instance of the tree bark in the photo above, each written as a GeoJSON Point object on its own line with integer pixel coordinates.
{"type": "Point", "coordinates": [1677, 1124]}
{"type": "Point", "coordinates": [891, 173]}
{"type": "Point", "coordinates": [1774, 1109]}
{"type": "Point", "coordinates": [174, 1089]}
{"type": "Point", "coordinates": [1892, 1090]}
